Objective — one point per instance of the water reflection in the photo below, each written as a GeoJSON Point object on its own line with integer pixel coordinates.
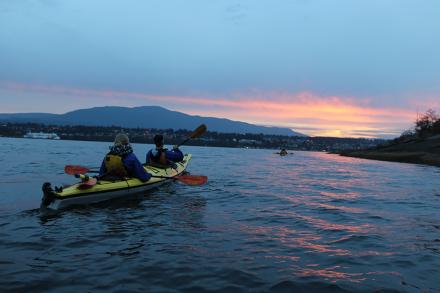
{"type": "Point", "coordinates": [313, 202]}
{"type": "Point", "coordinates": [340, 194]}
{"type": "Point", "coordinates": [325, 225]}
{"type": "Point", "coordinates": [259, 225]}
{"type": "Point", "coordinates": [332, 274]}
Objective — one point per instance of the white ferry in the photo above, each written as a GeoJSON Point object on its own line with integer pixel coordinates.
{"type": "Point", "coordinates": [41, 135]}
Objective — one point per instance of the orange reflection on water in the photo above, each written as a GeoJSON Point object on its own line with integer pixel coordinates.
{"type": "Point", "coordinates": [303, 242]}
{"type": "Point", "coordinates": [297, 200]}
{"type": "Point", "coordinates": [286, 257]}
{"type": "Point", "coordinates": [324, 225]}
{"type": "Point", "coordinates": [295, 239]}
{"type": "Point", "coordinates": [341, 159]}
{"type": "Point", "coordinates": [339, 195]}
{"type": "Point", "coordinates": [342, 208]}
{"type": "Point", "coordinates": [331, 274]}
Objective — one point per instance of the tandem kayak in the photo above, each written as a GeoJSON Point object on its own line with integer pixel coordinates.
{"type": "Point", "coordinates": [81, 194]}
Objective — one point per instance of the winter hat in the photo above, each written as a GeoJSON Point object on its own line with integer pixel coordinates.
{"type": "Point", "coordinates": [121, 138]}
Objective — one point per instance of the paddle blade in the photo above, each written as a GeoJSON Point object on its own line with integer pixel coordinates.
{"type": "Point", "coordinates": [199, 131]}
{"type": "Point", "coordinates": [88, 183]}
{"type": "Point", "coordinates": [74, 169]}
{"type": "Point", "coordinates": [192, 179]}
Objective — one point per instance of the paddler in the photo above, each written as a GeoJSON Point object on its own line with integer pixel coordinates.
{"type": "Point", "coordinates": [283, 152]}
{"type": "Point", "coordinates": [162, 156]}
{"type": "Point", "coordinates": [121, 162]}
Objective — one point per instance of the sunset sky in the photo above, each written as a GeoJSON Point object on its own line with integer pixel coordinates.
{"type": "Point", "coordinates": [321, 67]}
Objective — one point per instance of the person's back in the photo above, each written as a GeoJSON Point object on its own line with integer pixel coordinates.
{"type": "Point", "coordinates": [121, 162]}
{"type": "Point", "coordinates": [160, 155]}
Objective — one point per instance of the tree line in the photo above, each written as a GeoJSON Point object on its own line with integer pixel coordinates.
{"type": "Point", "coordinates": [210, 138]}
{"type": "Point", "coordinates": [426, 125]}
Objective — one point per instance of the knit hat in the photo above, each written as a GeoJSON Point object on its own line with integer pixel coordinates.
{"type": "Point", "coordinates": [121, 138]}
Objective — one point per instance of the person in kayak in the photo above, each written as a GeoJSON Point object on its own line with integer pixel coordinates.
{"type": "Point", "coordinates": [283, 152]}
{"type": "Point", "coordinates": [121, 162]}
{"type": "Point", "coordinates": [161, 155]}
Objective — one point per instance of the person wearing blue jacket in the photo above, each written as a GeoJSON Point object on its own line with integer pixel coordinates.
{"type": "Point", "coordinates": [121, 162]}
{"type": "Point", "coordinates": [161, 155]}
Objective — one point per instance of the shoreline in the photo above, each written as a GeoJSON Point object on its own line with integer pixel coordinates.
{"type": "Point", "coordinates": [423, 158]}
{"type": "Point", "coordinates": [411, 157]}
{"type": "Point", "coordinates": [424, 151]}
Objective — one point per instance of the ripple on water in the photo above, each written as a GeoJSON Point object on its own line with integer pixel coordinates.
{"type": "Point", "coordinates": [306, 223]}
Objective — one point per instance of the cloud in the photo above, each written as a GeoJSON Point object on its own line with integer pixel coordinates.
{"type": "Point", "coordinates": [304, 111]}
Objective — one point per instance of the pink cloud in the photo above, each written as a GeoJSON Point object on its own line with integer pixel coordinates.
{"type": "Point", "coordinates": [322, 115]}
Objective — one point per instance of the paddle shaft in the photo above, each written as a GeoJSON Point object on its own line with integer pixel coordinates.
{"type": "Point", "coordinates": [79, 172]}
{"type": "Point", "coordinates": [183, 142]}
{"type": "Point", "coordinates": [196, 133]}
{"type": "Point", "coordinates": [153, 176]}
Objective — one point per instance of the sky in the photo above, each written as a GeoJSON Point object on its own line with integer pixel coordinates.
{"type": "Point", "coordinates": [343, 68]}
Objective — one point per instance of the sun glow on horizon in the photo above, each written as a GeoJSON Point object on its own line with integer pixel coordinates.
{"type": "Point", "coordinates": [303, 112]}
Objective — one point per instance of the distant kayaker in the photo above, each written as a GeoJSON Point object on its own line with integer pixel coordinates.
{"type": "Point", "coordinates": [283, 152]}
{"type": "Point", "coordinates": [121, 162]}
{"type": "Point", "coordinates": [162, 156]}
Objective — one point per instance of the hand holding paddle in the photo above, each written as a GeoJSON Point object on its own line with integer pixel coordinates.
{"type": "Point", "coordinates": [86, 180]}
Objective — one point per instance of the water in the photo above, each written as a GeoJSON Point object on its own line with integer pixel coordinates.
{"type": "Point", "coordinates": [263, 223]}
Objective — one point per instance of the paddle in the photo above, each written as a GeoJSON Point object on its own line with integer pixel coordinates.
{"type": "Point", "coordinates": [187, 179]}
{"type": "Point", "coordinates": [86, 181]}
{"type": "Point", "coordinates": [193, 180]}
{"type": "Point", "coordinates": [196, 133]}
{"type": "Point", "coordinates": [75, 169]}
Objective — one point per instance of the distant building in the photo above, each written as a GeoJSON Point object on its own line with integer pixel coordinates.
{"type": "Point", "coordinates": [41, 135]}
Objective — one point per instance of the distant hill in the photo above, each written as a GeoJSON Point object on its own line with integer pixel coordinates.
{"type": "Point", "coordinates": [144, 117]}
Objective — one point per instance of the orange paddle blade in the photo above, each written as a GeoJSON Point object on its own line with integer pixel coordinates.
{"type": "Point", "coordinates": [88, 183]}
{"type": "Point", "coordinates": [192, 179]}
{"type": "Point", "coordinates": [74, 169]}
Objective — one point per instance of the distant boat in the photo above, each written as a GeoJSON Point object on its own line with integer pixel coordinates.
{"type": "Point", "coordinates": [41, 135]}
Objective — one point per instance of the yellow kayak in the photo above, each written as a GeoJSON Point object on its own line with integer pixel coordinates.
{"type": "Point", "coordinates": [81, 194]}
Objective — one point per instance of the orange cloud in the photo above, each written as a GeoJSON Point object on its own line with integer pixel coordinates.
{"type": "Point", "coordinates": [316, 115]}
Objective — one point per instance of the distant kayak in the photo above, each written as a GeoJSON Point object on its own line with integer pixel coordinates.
{"type": "Point", "coordinates": [283, 154]}
{"type": "Point", "coordinates": [94, 191]}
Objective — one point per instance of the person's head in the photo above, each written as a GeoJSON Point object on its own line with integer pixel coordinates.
{"type": "Point", "coordinates": [121, 139]}
{"type": "Point", "coordinates": [158, 140]}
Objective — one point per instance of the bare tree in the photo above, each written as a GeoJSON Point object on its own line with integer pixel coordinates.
{"type": "Point", "coordinates": [425, 123]}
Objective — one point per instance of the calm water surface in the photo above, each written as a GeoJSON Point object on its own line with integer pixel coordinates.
{"type": "Point", "coordinates": [263, 223]}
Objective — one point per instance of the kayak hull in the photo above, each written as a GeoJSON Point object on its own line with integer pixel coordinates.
{"type": "Point", "coordinates": [77, 194]}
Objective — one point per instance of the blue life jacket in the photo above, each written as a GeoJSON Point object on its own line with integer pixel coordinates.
{"type": "Point", "coordinates": [153, 156]}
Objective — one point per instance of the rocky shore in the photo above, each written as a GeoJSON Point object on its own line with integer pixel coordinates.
{"type": "Point", "coordinates": [418, 151]}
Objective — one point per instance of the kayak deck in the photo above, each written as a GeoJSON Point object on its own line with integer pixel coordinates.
{"type": "Point", "coordinates": [78, 194]}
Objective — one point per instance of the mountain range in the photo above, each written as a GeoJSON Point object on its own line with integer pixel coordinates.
{"type": "Point", "coordinates": [144, 117]}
